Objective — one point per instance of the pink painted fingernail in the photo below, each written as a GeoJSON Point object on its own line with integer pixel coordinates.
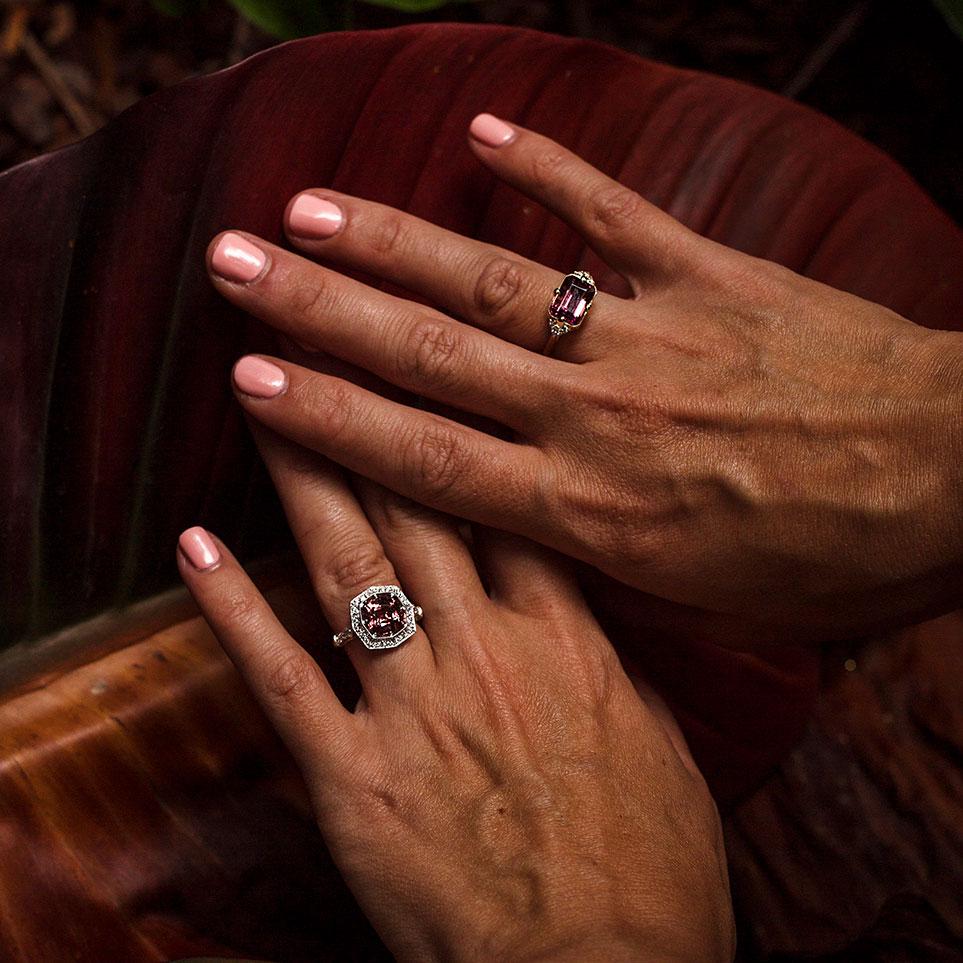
{"type": "Point", "coordinates": [257, 377]}
{"type": "Point", "coordinates": [491, 131]}
{"type": "Point", "coordinates": [236, 259]}
{"type": "Point", "coordinates": [312, 216]}
{"type": "Point", "coordinates": [199, 548]}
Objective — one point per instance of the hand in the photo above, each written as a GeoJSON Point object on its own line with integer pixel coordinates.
{"type": "Point", "coordinates": [731, 436]}
{"type": "Point", "coordinates": [501, 791]}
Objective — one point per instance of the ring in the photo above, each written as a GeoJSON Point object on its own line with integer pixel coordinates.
{"type": "Point", "coordinates": [569, 306]}
{"type": "Point", "coordinates": [382, 617]}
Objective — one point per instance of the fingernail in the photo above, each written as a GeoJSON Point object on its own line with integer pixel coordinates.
{"type": "Point", "coordinates": [312, 216]}
{"type": "Point", "coordinates": [236, 259]}
{"type": "Point", "coordinates": [491, 131]}
{"type": "Point", "coordinates": [257, 377]}
{"type": "Point", "coordinates": [199, 548]}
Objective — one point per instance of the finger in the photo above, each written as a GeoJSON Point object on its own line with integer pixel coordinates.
{"type": "Point", "coordinates": [412, 346]}
{"type": "Point", "coordinates": [288, 684]}
{"type": "Point", "coordinates": [635, 237]}
{"type": "Point", "coordinates": [328, 364]}
{"type": "Point", "coordinates": [430, 557]}
{"type": "Point", "coordinates": [435, 461]}
{"type": "Point", "coordinates": [533, 579]}
{"type": "Point", "coordinates": [521, 573]}
{"type": "Point", "coordinates": [487, 286]}
{"type": "Point", "coordinates": [344, 556]}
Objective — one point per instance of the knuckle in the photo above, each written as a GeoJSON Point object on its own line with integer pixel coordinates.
{"type": "Point", "coordinates": [312, 299]}
{"type": "Point", "coordinates": [498, 286]}
{"type": "Point", "coordinates": [627, 407]}
{"type": "Point", "coordinates": [358, 565]}
{"type": "Point", "coordinates": [546, 165]}
{"type": "Point", "coordinates": [387, 234]}
{"type": "Point", "coordinates": [433, 460]}
{"type": "Point", "coordinates": [648, 414]}
{"type": "Point", "coordinates": [642, 532]}
{"type": "Point", "coordinates": [750, 287]}
{"type": "Point", "coordinates": [399, 514]}
{"type": "Point", "coordinates": [384, 798]}
{"type": "Point", "coordinates": [431, 353]}
{"type": "Point", "coordinates": [327, 403]}
{"type": "Point", "coordinates": [292, 678]}
{"type": "Point", "coordinates": [241, 609]}
{"type": "Point", "coordinates": [379, 794]}
{"type": "Point", "coordinates": [616, 208]}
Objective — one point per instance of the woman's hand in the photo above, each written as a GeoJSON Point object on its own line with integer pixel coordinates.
{"type": "Point", "coordinates": [501, 791]}
{"type": "Point", "coordinates": [730, 436]}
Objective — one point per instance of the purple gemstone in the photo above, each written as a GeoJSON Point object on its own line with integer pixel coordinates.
{"type": "Point", "coordinates": [383, 615]}
{"type": "Point", "coordinates": [572, 301]}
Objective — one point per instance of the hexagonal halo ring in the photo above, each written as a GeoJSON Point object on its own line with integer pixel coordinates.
{"type": "Point", "coordinates": [382, 617]}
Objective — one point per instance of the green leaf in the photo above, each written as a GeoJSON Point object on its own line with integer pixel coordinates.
{"type": "Point", "coordinates": [294, 18]}
{"type": "Point", "coordinates": [952, 11]}
{"type": "Point", "coordinates": [413, 6]}
{"type": "Point", "coordinates": [179, 8]}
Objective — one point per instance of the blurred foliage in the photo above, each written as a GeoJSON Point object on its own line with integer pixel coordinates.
{"type": "Point", "coordinates": [294, 18]}
{"type": "Point", "coordinates": [298, 18]}
{"type": "Point", "coordinates": [952, 10]}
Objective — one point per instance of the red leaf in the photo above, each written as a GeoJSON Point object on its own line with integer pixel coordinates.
{"type": "Point", "coordinates": [118, 425]}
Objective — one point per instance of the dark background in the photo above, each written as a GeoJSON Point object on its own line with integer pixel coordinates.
{"type": "Point", "coordinates": [891, 70]}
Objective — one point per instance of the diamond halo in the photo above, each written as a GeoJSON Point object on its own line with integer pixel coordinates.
{"type": "Point", "coordinates": [382, 617]}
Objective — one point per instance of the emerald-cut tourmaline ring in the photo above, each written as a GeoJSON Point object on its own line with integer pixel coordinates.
{"type": "Point", "coordinates": [569, 306]}
{"type": "Point", "coordinates": [382, 617]}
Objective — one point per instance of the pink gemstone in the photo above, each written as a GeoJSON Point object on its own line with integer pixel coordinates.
{"type": "Point", "coordinates": [383, 615]}
{"type": "Point", "coordinates": [572, 301]}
